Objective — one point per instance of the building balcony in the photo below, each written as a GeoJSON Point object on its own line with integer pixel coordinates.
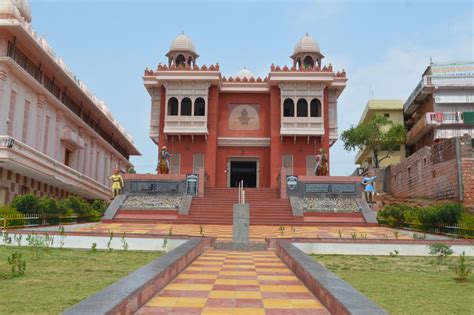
{"type": "Point", "coordinates": [430, 120]}
{"type": "Point", "coordinates": [302, 126]}
{"type": "Point", "coordinates": [185, 125]}
{"type": "Point", "coordinates": [21, 158]}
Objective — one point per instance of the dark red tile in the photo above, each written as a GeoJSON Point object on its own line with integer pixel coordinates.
{"type": "Point", "coordinates": [237, 277]}
{"type": "Point", "coordinates": [194, 281]}
{"type": "Point", "coordinates": [275, 295]}
{"type": "Point", "coordinates": [300, 295]}
{"type": "Point", "coordinates": [228, 287]}
{"type": "Point", "coordinates": [248, 303]}
{"type": "Point", "coordinates": [220, 302]}
{"type": "Point", "coordinates": [185, 311]}
{"type": "Point", "coordinates": [200, 272]}
{"type": "Point", "coordinates": [280, 311]}
{"type": "Point", "coordinates": [278, 282]}
{"type": "Point", "coordinates": [180, 293]}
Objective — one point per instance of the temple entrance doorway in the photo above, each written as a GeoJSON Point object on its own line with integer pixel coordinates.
{"type": "Point", "coordinates": [243, 169]}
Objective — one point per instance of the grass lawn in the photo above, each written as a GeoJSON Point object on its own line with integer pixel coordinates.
{"type": "Point", "coordinates": [406, 285]}
{"type": "Point", "coordinates": [59, 278]}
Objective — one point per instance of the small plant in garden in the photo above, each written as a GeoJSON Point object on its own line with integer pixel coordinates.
{"type": "Point", "coordinates": [165, 243]}
{"type": "Point", "coordinates": [461, 269]}
{"type": "Point", "coordinates": [440, 251]}
{"type": "Point", "coordinates": [17, 264]}
{"type": "Point", "coordinates": [396, 234]}
{"type": "Point", "coordinates": [94, 247]}
{"type": "Point", "coordinates": [363, 235]}
{"type": "Point", "coordinates": [17, 239]}
{"type": "Point", "coordinates": [124, 243]}
{"type": "Point", "coordinates": [354, 236]}
{"type": "Point", "coordinates": [170, 232]}
{"type": "Point", "coordinates": [293, 229]}
{"type": "Point", "coordinates": [6, 237]}
{"type": "Point", "coordinates": [282, 230]}
{"type": "Point", "coordinates": [109, 243]}
{"type": "Point", "coordinates": [340, 233]}
{"type": "Point", "coordinates": [394, 254]}
{"type": "Point", "coordinates": [62, 236]}
{"type": "Point", "coordinates": [201, 230]}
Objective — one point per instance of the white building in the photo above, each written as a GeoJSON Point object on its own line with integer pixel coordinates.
{"type": "Point", "coordinates": [56, 137]}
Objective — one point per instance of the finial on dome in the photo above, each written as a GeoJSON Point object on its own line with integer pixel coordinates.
{"type": "Point", "coordinates": [306, 34]}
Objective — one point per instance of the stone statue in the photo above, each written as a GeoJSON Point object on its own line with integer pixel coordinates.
{"type": "Point", "coordinates": [321, 168]}
{"type": "Point", "coordinates": [117, 182]}
{"type": "Point", "coordinates": [164, 161]}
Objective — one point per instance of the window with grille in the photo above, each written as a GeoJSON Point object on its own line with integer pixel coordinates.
{"type": "Point", "coordinates": [310, 165]}
{"type": "Point", "coordinates": [175, 161]}
{"type": "Point", "coordinates": [288, 163]}
{"type": "Point", "coordinates": [198, 162]}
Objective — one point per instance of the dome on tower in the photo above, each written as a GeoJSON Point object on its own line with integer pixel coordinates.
{"type": "Point", "coordinates": [183, 43]}
{"type": "Point", "coordinates": [307, 44]}
{"type": "Point", "coordinates": [244, 73]}
{"type": "Point", "coordinates": [16, 8]}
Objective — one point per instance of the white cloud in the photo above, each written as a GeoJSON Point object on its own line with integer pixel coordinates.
{"type": "Point", "coordinates": [394, 75]}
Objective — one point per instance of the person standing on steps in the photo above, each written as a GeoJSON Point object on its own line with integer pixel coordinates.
{"type": "Point", "coordinates": [369, 189]}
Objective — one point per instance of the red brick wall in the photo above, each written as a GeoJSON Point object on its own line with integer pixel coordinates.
{"type": "Point", "coordinates": [433, 172]}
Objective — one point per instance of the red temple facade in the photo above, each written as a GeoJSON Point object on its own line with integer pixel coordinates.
{"type": "Point", "coordinates": [244, 127]}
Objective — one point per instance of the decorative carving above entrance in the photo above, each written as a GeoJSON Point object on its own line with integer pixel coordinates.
{"type": "Point", "coordinates": [244, 117]}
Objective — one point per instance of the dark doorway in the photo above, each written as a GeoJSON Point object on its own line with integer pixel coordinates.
{"type": "Point", "coordinates": [243, 170]}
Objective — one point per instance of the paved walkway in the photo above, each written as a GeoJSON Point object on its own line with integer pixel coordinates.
{"type": "Point", "coordinates": [248, 283]}
{"type": "Point", "coordinates": [258, 233]}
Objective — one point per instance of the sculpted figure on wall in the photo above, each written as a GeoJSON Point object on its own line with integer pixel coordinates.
{"type": "Point", "coordinates": [164, 161]}
{"type": "Point", "coordinates": [321, 168]}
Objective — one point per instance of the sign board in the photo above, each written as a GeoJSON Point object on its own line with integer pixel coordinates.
{"type": "Point", "coordinates": [334, 189]}
{"type": "Point", "coordinates": [291, 182]}
{"type": "Point", "coordinates": [192, 184]}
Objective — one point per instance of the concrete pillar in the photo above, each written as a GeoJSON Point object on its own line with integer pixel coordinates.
{"type": "Point", "coordinates": [241, 223]}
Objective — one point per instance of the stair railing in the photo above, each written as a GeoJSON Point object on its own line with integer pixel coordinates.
{"type": "Point", "coordinates": [241, 191]}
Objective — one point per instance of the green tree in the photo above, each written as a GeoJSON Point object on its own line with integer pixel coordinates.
{"type": "Point", "coordinates": [378, 134]}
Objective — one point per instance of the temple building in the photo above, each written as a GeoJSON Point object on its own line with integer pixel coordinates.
{"type": "Point", "coordinates": [56, 137]}
{"type": "Point", "coordinates": [244, 127]}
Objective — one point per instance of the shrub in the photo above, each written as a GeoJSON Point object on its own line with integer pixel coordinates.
{"type": "Point", "coordinates": [394, 214]}
{"type": "Point", "coordinates": [466, 220]}
{"type": "Point", "coordinates": [27, 203]}
{"type": "Point", "coordinates": [99, 205]}
{"type": "Point", "coordinates": [78, 205]}
{"type": "Point", "coordinates": [461, 269]}
{"type": "Point", "coordinates": [440, 251]}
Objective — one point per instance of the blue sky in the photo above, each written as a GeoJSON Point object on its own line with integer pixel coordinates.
{"type": "Point", "coordinates": [384, 46]}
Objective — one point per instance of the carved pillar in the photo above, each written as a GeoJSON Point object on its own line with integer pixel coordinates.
{"type": "Point", "coordinates": [57, 136]}
{"type": "Point", "coordinates": [91, 157]}
{"type": "Point", "coordinates": [39, 119]}
{"type": "Point", "coordinates": [80, 153]}
{"type": "Point", "coordinates": [3, 108]}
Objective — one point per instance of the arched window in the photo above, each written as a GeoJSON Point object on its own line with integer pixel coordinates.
{"type": "Point", "coordinates": [298, 63]}
{"type": "Point", "coordinates": [302, 108]}
{"type": "Point", "coordinates": [289, 108]}
{"type": "Point", "coordinates": [173, 107]}
{"type": "Point", "coordinates": [315, 108]}
{"type": "Point", "coordinates": [180, 60]}
{"type": "Point", "coordinates": [190, 60]}
{"type": "Point", "coordinates": [186, 107]}
{"type": "Point", "coordinates": [308, 62]}
{"type": "Point", "coordinates": [199, 107]}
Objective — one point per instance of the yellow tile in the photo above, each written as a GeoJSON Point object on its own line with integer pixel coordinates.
{"type": "Point", "coordinates": [248, 311]}
{"type": "Point", "coordinates": [238, 273]}
{"type": "Point", "coordinates": [163, 301]}
{"type": "Point", "coordinates": [247, 282]}
{"type": "Point", "coordinates": [272, 269]}
{"type": "Point", "coordinates": [248, 295]}
{"type": "Point", "coordinates": [191, 268]}
{"type": "Point", "coordinates": [195, 276]}
{"type": "Point", "coordinates": [305, 303]}
{"type": "Point", "coordinates": [296, 288]}
{"type": "Point", "coordinates": [191, 302]}
{"type": "Point", "coordinates": [189, 287]}
{"type": "Point", "coordinates": [277, 303]}
{"type": "Point", "coordinates": [285, 278]}
{"type": "Point", "coordinates": [222, 294]}
{"type": "Point", "coordinates": [226, 281]}
{"type": "Point", "coordinates": [216, 311]}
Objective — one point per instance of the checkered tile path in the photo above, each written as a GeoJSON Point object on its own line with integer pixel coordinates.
{"type": "Point", "coordinates": [258, 233]}
{"type": "Point", "coordinates": [220, 282]}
